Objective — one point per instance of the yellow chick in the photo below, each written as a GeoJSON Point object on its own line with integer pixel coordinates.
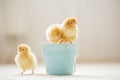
{"type": "Point", "coordinates": [25, 59]}
{"type": "Point", "coordinates": [67, 32]}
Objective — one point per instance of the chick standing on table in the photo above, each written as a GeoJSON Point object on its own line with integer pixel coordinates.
{"type": "Point", "coordinates": [25, 59]}
{"type": "Point", "coordinates": [64, 33]}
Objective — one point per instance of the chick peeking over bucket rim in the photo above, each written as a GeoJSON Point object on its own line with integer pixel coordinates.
{"type": "Point", "coordinates": [67, 32]}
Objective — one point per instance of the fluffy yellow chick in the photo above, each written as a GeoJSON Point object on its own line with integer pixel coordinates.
{"type": "Point", "coordinates": [64, 33]}
{"type": "Point", "coordinates": [25, 59]}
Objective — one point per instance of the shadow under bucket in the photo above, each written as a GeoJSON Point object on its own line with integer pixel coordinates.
{"type": "Point", "coordinates": [59, 58]}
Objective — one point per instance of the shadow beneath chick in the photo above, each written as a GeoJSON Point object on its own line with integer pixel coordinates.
{"type": "Point", "coordinates": [35, 74]}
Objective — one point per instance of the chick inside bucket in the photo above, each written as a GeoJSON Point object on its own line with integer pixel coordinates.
{"type": "Point", "coordinates": [59, 58]}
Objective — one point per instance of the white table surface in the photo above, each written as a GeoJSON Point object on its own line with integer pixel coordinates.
{"type": "Point", "coordinates": [89, 71]}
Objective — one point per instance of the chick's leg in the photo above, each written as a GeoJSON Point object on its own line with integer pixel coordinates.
{"type": "Point", "coordinates": [59, 41]}
{"type": "Point", "coordinates": [23, 71]}
{"type": "Point", "coordinates": [32, 71]}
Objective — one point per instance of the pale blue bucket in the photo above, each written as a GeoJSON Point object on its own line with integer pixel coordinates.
{"type": "Point", "coordinates": [59, 58]}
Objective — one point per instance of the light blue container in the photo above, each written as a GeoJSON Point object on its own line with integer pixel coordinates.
{"type": "Point", "coordinates": [59, 58]}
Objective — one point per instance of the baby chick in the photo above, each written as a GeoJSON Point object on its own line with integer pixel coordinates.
{"type": "Point", "coordinates": [64, 33]}
{"type": "Point", "coordinates": [25, 59]}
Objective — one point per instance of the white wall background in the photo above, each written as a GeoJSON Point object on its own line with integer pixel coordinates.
{"type": "Point", "coordinates": [25, 21]}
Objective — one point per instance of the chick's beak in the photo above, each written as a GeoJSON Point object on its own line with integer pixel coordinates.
{"type": "Point", "coordinates": [75, 23]}
{"type": "Point", "coordinates": [20, 50]}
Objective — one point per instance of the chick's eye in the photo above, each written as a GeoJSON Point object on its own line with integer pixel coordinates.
{"type": "Point", "coordinates": [23, 49]}
{"type": "Point", "coordinates": [71, 22]}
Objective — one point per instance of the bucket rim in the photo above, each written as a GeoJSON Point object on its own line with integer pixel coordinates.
{"type": "Point", "coordinates": [48, 44]}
